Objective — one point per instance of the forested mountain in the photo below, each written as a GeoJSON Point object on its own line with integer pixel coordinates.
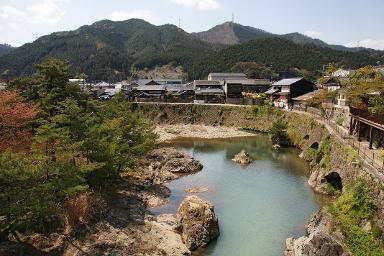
{"type": "Point", "coordinates": [107, 50]}
{"type": "Point", "coordinates": [282, 55]}
{"type": "Point", "coordinates": [5, 48]}
{"type": "Point", "coordinates": [230, 33]}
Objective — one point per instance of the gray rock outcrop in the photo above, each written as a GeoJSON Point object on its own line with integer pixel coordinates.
{"type": "Point", "coordinates": [198, 222]}
{"type": "Point", "coordinates": [168, 164]}
{"type": "Point", "coordinates": [319, 241]}
{"type": "Point", "coordinates": [243, 158]}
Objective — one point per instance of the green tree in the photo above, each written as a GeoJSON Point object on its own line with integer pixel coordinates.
{"type": "Point", "coordinates": [278, 133]}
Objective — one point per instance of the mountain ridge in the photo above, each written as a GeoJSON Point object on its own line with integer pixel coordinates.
{"type": "Point", "coordinates": [241, 34]}
{"type": "Point", "coordinates": [5, 48]}
{"type": "Point", "coordinates": [112, 51]}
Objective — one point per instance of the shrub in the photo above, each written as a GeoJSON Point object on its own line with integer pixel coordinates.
{"type": "Point", "coordinates": [278, 133]}
{"type": "Point", "coordinates": [340, 120]}
{"type": "Point", "coordinates": [357, 204]}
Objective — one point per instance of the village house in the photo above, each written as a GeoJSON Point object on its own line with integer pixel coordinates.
{"type": "Point", "coordinates": [226, 76]}
{"type": "Point", "coordinates": [180, 93]}
{"type": "Point", "coordinates": [330, 84]}
{"type": "Point", "coordinates": [209, 91]}
{"type": "Point", "coordinates": [343, 73]}
{"type": "Point", "coordinates": [283, 91]}
{"type": "Point", "coordinates": [146, 93]}
{"type": "Point", "coordinates": [160, 82]}
{"type": "Point", "coordinates": [235, 89]}
{"type": "Point", "coordinates": [147, 82]}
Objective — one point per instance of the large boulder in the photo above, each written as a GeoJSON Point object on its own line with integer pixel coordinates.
{"type": "Point", "coordinates": [243, 158]}
{"type": "Point", "coordinates": [317, 244]}
{"type": "Point", "coordinates": [199, 224]}
{"type": "Point", "coordinates": [182, 165]}
{"type": "Point", "coordinates": [166, 164]}
{"type": "Point", "coordinates": [320, 241]}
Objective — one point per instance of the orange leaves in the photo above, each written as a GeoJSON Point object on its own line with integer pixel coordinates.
{"type": "Point", "coordinates": [14, 113]}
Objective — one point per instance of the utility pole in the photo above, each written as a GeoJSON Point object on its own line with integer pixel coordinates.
{"type": "Point", "coordinates": [233, 18]}
{"type": "Point", "coordinates": [180, 23]}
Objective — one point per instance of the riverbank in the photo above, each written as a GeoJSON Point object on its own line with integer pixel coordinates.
{"type": "Point", "coordinates": [335, 166]}
{"type": "Point", "coordinates": [173, 131]}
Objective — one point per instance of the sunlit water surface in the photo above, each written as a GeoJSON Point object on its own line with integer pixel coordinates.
{"type": "Point", "coordinates": [259, 205]}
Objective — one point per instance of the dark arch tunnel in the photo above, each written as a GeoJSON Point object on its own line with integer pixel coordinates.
{"type": "Point", "coordinates": [315, 145]}
{"type": "Point", "coordinates": [334, 180]}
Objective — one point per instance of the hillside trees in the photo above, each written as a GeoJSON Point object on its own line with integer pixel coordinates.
{"type": "Point", "coordinates": [254, 70]}
{"type": "Point", "coordinates": [367, 89]}
{"type": "Point", "coordinates": [80, 146]}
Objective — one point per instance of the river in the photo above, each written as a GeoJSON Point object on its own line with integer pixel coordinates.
{"type": "Point", "coordinates": [259, 205]}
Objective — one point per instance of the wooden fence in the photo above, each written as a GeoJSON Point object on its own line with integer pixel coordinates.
{"type": "Point", "coordinates": [369, 156]}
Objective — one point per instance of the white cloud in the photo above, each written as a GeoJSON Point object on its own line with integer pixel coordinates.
{"type": "Point", "coordinates": [312, 33]}
{"type": "Point", "coordinates": [46, 12]}
{"type": "Point", "coordinates": [7, 12]}
{"type": "Point", "coordinates": [19, 22]}
{"type": "Point", "coordinates": [368, 43]}
{"type": "Point", "coordinates": [201, 4]}
{"type": "Point", "coordinates": [139, 14]}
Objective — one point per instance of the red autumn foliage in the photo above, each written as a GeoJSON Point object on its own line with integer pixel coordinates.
{"type": "Point", "coordinates": [15, 117]}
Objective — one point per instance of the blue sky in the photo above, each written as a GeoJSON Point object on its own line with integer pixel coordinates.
{"type": "Point", "coordinates": [346, 22]}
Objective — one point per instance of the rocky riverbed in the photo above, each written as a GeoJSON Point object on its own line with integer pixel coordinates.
{"type": "Point", "coordinates": [126, 226]}
{"type": "Point", "coordinates": [130, 229]}
{"type": "Point", "coordinates": [170, 132]}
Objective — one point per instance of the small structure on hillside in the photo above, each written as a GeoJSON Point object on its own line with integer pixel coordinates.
{"type": "Point", "coordinates": [330, 84]}
{"type": "Point", "coordinates": [343, 73]}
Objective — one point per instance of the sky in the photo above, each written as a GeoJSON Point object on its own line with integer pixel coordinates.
{"type": "Point", "coordinates": [345, 22]}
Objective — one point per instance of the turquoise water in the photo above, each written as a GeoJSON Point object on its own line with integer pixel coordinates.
{"type": "Point", "coordinates": [258, 206]}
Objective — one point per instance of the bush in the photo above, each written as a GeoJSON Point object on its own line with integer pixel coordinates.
{"type": "Point", "coordinates": [278, 133]}
{"type": "Point", "coordinates": [352, 208]}
{"type": "Point", "coordinates": [340, 120]}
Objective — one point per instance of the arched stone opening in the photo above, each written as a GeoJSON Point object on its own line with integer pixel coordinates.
{"type": "Point", "coordinates": [306, 137]}
{"type": "Point", "coordinates": [315, 145]}
{"type": "Point", "coordinates": [334, 180]}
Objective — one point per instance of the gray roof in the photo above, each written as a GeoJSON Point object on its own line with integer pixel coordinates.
{"type": "Point", "coordinates": [145, 81]}
{"type": "Point", "coordinates": [250, 81]}
{"type": "Point", "coordinates": [179, 87]}
{"type": "Point", "coordinates": [227, 74]}
{"type": "Point", "coordinates": [288, 81]}
{"type": "Point", "coordinates": [307, 96]}
{"type": "Point", "coordinates": [151, 88]}
{"type": "Point", "coordinates": [272, 91]}
{"type": "Point", "coordinates": [209, 91]}
{"type": "Point", "coordinates": [206, 82]}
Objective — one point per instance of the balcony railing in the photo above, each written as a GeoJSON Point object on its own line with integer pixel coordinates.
{"type": "Point", "coordinates": [376, 118]}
